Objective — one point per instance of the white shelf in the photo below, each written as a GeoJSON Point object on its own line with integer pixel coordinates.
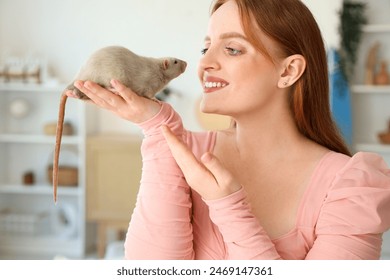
{"type": "Point", "coordinates": [48, 246]}
{"type": "Point", "coordinates": [26, 87]}
{"type": "Point", "coordinates": [47, 238]}
{"type": "Point", "coordinates": [37, 139]}
{"type": "Point", "coordinates": [375, 28]}
{"type": "Point", "coordinates": [39, 190]}
{"type": "Point", "coordinates": [369, 89]}
{"type": "Point", "coordinates": [373, 147]}
{"type": "Point", "coordinates": [25, 147]}
{"type": "Point", "coordinates": [370, 103]}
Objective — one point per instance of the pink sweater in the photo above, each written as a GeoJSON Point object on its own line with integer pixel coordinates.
{"type": "Point", "coordinates": [343, 213]}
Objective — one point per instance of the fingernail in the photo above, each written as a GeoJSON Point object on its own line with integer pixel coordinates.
{"type": "Point", "coordinates": [114, 82]}
{"type": "Point", "coordinates": [164, 128]}
{"type": "Point", "coordinates": [87, 85]}
{"type": "Point", "coordinates": [69, 93]}
{"type": "Point", "coordinates": [78, 84]}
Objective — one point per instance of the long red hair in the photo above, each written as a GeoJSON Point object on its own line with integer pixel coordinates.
{"type": "Point", "coordinates": [292, 26]}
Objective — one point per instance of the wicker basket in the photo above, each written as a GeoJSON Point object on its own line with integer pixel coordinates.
{"type": "Point", "coordinates": [51, 129]}
{"type": "Point", "coordinates": [67, 175]}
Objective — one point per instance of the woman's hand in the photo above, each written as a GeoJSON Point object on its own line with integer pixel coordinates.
{"type": "Point", "coordinates": [121, 100]}
{"type": "Point", "coordinates": [209, 177]}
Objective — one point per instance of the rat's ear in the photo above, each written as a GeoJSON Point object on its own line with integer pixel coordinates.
{"type": "Point", "coordinates": [165, 64]}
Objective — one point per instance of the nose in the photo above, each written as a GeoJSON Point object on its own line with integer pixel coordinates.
{"type": "Point", "coordinates": [209, 61]}
{"type": "Point", "coordinates": [183, 66]}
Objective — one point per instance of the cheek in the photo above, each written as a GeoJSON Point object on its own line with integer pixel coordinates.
{"type": "Point", "coordinates": [200, 74]}
{"type": "Point", "coordinates": [254, 87]}
{"type": "Point", "coordinates": [260, 77]}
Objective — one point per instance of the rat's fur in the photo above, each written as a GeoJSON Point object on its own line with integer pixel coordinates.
{"type": "Point", "coordinates": [146, 76]}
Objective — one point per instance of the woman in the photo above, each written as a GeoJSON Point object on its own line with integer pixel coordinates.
{"type": "Point", "coordinates": [280, 183]}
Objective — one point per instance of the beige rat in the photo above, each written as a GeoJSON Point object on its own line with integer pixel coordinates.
{"type": "Point", "coordinates": [146, 76]}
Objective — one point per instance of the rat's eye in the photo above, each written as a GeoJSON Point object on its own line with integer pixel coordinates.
{"type": "Point", "coordinates": [175, 62]}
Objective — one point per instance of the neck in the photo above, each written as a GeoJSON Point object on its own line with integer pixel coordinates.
{"type": "Point", "coordinates": [274, 135]}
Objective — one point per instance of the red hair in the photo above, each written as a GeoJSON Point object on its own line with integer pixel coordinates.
{"type": "Point", "coordinates": [292, 26]}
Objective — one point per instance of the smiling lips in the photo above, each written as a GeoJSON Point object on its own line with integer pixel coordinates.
{"type": "Point", "coordinates": [212, 84]}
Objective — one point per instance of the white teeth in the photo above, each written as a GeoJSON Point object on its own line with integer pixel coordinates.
{"type": "Point", "coordinates": [214, 84]}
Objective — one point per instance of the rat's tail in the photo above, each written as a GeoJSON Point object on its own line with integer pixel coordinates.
{"type": "Point", "coordinates": [60, 123]}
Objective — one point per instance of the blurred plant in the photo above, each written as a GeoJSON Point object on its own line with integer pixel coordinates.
{"type": "Point", "coordinates": [352, 19]}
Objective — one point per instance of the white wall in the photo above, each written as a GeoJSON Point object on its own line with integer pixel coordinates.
{"type": "Point", "coordinates": [327, 15]}
{"type": "Point", "coordinates": [66, 32]}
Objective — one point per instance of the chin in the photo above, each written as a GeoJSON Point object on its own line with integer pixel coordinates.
{"type": "Point", "coordinates": [206, 106]}
{"type": "Point", "coordinates": [215, 110]}
{"type": "Point", "coordinates": [213, 105]}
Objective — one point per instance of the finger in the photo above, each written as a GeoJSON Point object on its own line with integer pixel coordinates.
{"type": "Point", "coordinates": [222, 176]}
{"type": "Point", "coordinates": [80, 85]}
{"type": "Point", "coordinates": [196, 174]}
{"type": "Point", "coordinates": [126, 93]}
{"type": "Point", "coordinates": [98, 94]}
{"type": "Point", "coordinates": [208, 177]}
{"type": "Point", "coordinates": [70, 93]}
{"type": "Point", "coordinates": [183, 156]}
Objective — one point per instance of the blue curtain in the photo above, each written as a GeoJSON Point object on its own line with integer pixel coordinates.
{"type": "Point", "coordinates": [340, 98]}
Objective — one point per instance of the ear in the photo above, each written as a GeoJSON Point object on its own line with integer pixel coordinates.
{"type": "Point", "coordinates": [292, 69]}
{"type": "Point", "coordinates": [165, 64]}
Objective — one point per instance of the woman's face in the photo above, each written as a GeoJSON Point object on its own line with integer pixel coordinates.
{"type": "Point", "coordinates": [236, 78]}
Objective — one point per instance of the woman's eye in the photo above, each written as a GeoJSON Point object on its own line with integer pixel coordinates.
{"type": "Point", "coordinates": [203, 51]}
{"type": "Point", "coordinates": [232, 51]}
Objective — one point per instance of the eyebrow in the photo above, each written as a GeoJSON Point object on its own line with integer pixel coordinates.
{"type": "Point", "coordinates": [229, 35]}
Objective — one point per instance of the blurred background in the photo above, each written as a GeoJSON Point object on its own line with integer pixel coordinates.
{"type": "Point", "coordinates": [42, 45]}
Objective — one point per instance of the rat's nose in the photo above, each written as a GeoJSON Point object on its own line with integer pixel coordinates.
{"type": "Point", "coordinates": [183, 65]}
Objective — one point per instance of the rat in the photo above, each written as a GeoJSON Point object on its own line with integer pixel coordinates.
{"type": "Point", "coordinates": [145, 76]}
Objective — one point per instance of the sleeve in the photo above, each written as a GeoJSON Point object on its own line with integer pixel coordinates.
{"type": "Point", "coordinates": [242, 233]}
{"type": "Point", "coordinates": [160, 226]}
{"type": "Point", "coordinates": [356, 211]}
